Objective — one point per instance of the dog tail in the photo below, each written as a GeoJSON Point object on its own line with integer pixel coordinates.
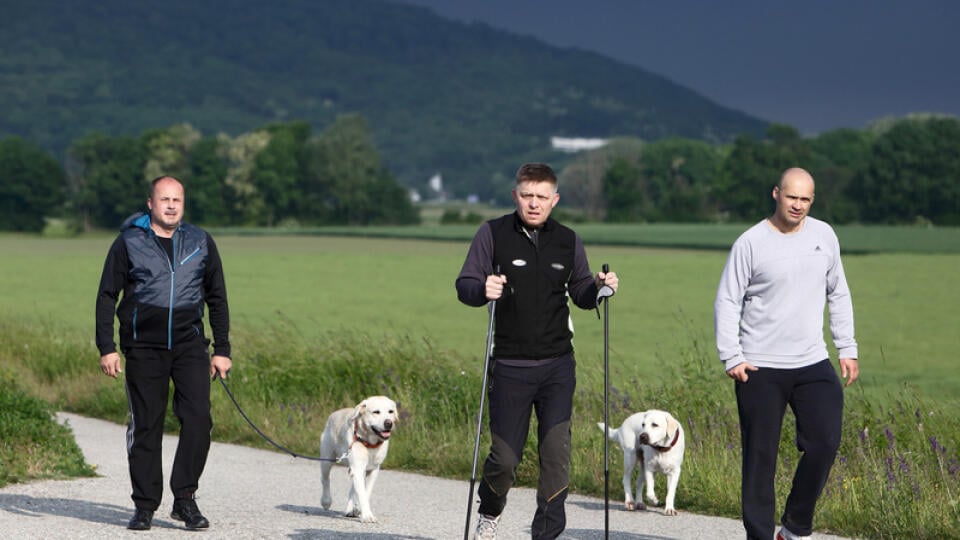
{"type": "Point", "coordinates": [612, 434]}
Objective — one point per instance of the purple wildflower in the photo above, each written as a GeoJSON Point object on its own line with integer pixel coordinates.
{"type": "Point", "coordinates": [935, 444]}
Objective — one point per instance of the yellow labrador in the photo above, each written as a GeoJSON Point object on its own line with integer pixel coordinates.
{"type": "Point", "coordinates": [363, 434]}
{"type": "Point", "coordinates": [657, 438]}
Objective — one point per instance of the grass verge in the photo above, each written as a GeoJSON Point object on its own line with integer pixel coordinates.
{"type": "Point", "coordinates": [897, 474]}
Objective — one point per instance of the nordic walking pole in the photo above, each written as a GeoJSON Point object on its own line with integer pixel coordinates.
{"type": "Point", "coordinates": [606, 292]}
{"type": "Point", "coordinates": [483, 392]}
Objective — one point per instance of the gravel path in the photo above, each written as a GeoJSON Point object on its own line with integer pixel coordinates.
{"type": "Point", "coordinates": [249, 493]}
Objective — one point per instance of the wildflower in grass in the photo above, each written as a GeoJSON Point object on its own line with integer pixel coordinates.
{"type": "Point", "coordinates": [935, 445]}
{"type": "Point", "coordinates": [889, 435]}
{"type": "Point", "coordinates": [953, 466]}
{"type": "Point", "coordinates": [863, 434]}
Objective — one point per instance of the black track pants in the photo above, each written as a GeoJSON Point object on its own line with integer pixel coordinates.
{"type": "Point", "coordinates": [148, 375]}
{"type": "Point", "coordinates": [513, 392]}
{"type": "Point", "coordinates": [815, 396]}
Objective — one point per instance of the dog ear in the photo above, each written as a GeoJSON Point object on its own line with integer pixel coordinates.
{"type": "Point", "coordinates": [672, 425]}
{"type": "Point", "coordinates": [359, 410]}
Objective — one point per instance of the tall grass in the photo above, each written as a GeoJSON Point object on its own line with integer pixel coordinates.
{"type": "Point", "coordinates": [896, 475]}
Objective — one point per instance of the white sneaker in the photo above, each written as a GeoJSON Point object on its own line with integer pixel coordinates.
{"type": "Point", "coordinates": [487, 527]}
{"type": "Point", "coordinates": [785, 534]}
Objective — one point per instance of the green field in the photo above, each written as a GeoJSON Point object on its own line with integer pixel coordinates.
{"type": "Point", "coordinates": [854, 238]}
{"type": "Point", "coordinates": [319, 321]}
{"type": "Point", "coordinates": [904, 303]}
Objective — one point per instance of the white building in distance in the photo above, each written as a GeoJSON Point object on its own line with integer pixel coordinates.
{"type": "Point", "coordinates": [575, 144]}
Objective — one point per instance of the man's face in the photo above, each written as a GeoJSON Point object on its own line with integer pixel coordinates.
{"type": "Point", "coordinates": [166, 204]}
{"type": "Point", "coordinates": [794, 197]}
{"type": "Point", "coordinates": [535, 201]}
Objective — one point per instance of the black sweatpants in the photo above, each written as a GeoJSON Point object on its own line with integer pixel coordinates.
{"type": "Point", "coordinates": [148, 375]}
{"type": "Point", "coordinates": [815, 396]}
{"type": "Point", "coordinates": [513, 391]}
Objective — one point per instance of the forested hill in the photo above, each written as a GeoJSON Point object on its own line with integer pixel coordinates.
{"type": "Point", "coordinates": [440, 96]}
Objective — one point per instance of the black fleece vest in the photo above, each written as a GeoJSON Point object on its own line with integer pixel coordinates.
{"type": "Point", "coordinates": [533, 319]}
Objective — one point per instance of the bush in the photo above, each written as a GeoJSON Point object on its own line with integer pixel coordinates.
{"type": "Point", "coordinates": [32, 444]}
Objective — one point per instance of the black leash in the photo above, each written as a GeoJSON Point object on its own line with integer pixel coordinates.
{"type": "Point", "coordinates": [264, 436]}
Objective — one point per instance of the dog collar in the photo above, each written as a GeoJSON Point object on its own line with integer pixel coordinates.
{"type": "Point", "coordinates": [676, 438]}
{"type": "Point", "coordinates": [365, 443]}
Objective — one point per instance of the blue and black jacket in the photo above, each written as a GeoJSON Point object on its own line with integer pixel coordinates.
{"type": "Point", "coordinates": [163, 299]}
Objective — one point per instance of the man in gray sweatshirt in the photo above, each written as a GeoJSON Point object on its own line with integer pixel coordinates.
{"type": "Point", "coordinates": [768, 318]}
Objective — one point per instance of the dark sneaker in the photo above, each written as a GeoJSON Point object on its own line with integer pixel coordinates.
{"type": "Point", "coordinates": [186, 511]}
{"type": "Point", "coordinates": [141, 520]}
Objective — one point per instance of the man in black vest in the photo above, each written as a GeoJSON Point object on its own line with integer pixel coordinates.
{"type": "Point", "coordinates": [167, 271]}
{"type": "Point", "coordinates": [541, 263]}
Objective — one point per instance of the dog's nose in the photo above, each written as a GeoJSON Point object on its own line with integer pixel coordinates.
{"type": "Point", "coordinates": [644, 438]}
{"type": "Point", "coordinates": [388, 424]}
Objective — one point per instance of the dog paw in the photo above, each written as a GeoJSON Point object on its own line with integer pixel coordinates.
{"type": "Point", "coordinates": [351, 512]}
{"type": "Point", "coordinates": [640, 506]}
{"type": "Point", "coordinates": [629, 505]}
{"type": "Point", "coordinates": [368, 518]}
{"type": "Point", "coordinates": [670, 512]}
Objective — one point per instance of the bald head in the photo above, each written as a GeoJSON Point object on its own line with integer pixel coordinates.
{"type": "Point", "coordinates": [166, 205]}
{"type": "Point", "coordinates": [795, 176]}
{"type": "Point", "coordinates": [793, 195]}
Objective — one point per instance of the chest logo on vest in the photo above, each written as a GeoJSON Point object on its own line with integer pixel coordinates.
{"type": "Point", "coordinates": [518, 262]}
{"type": "Point", "coordinates": [557, 266]}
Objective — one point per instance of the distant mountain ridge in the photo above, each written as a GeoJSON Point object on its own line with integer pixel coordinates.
{"type": "Point", "coordinates": [464, 100]}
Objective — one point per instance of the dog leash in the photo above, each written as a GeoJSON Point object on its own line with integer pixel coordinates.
{"type": "Point", "coordinates": [268, 439]}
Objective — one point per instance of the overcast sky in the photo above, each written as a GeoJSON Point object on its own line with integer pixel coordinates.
{"type": "Point", "coordinates": [813, 64]}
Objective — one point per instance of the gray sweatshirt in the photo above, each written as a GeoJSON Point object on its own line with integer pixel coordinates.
{"type": "Point", "coordinates": [769, 305]}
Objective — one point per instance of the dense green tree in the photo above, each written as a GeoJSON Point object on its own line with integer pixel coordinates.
{"type": "Point", "coordinates": [914, 173]}
{"type": "Point", "coordinates": [346, 182]}
{"type": "Point", "coordinates": [108, 178]}
{"type": "Point", "coordinates": [239, 154]}
{"type": "Point", "coordinates": [278, 169]}
{"type": "Point", "coordinates": [391, 202]}
{"type": "Point", "coordinates": [32, 185]}
{"type": "Point", "coordinates": [838, 156]}
{"type": "Point", "coordinates": [623, 192]}
{"type": "Point", "coordinates": [747, 176]}
{"type": "Point", "coordinates": [168, 150]}
{"type": "Point", "coordinates": [207, 196]}
{"type": "Point", "coordinates": [679, 173]}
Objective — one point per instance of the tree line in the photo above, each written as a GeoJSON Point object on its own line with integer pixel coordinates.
{"type": "Point", "coordinates": [280, 174]}
{"type": "Point", "coordinates": [900, 171]}
{"type": "Point", "coordinates": [896, 172]}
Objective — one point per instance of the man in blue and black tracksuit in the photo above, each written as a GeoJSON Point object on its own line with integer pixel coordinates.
{"type": "Point", "coordinates": [167, 270]}
{"type": "Point", "coordinates": [541, 263]}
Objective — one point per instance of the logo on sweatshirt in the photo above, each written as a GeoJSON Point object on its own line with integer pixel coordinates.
{"type": "Point", "coordinates": [518, 262]}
